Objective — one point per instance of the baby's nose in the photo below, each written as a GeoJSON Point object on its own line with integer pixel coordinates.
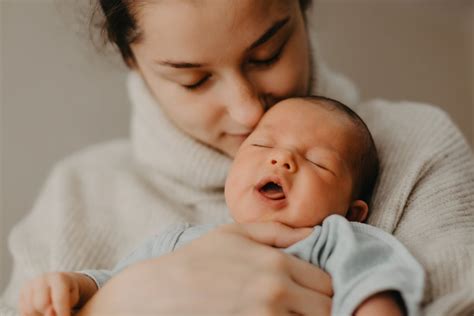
{"type": "Point", "coordinates": [283, 159]}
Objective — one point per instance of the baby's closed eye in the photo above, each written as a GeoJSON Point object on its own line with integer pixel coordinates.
{"type": "Point", "coordinates": [261, 145]}
{"type": "Point", "coordinates": [317, 163]}
{"type": "Point", "coordinates": [320, 163]}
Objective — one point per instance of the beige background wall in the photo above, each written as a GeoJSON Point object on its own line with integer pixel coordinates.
{"type": "Point", "coordinates": [58, 95]}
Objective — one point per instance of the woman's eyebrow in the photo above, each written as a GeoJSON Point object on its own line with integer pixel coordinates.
{"type": "Point", "coordinates": [272, 30]}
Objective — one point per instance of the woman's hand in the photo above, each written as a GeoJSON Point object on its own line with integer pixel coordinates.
{"type": "Point", "coordinates": [228, 271]}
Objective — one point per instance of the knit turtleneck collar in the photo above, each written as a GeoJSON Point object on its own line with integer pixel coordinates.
{"type": "Point", "coordinates": [168, 151]}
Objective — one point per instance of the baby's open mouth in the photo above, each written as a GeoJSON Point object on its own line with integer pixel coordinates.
{"type": "Point", "coordinates": [272, 191]}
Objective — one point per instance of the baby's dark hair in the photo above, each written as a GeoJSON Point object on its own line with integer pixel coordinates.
{"type": "Point", "coordinates": [366, 165]}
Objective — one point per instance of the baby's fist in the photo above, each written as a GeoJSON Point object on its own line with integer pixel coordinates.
{"type": "Point", "coordinates": [51, 294]}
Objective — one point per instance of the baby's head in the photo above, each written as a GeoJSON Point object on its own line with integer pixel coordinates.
{"type": "Point", "coordinates": [308, 158]}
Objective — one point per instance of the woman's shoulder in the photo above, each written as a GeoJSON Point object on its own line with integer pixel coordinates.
{"type": "Point", "coordinates": [96, 168]}
{"type": "Point", "coordinates": [96, 161]}
{"type": "Point", "coordinates": [111, 154]}
{"type": "Point", "coordinates": [409, 125]}
{"type": "Point", "coordinates": [404, 112]}
{"type": "Point", "coordinates": [414, 141]}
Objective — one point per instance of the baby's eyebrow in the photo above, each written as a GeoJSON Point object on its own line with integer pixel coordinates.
{"type": "Point", "coordinates": [263, 131]}
{"type": "Point", "coordinates": [326, 153]}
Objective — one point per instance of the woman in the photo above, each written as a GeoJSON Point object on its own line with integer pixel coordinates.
{"type": "Point", "coordinates": [204, 73]}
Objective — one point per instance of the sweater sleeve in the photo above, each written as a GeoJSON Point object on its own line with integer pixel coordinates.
{"type": "Point", "coordinates": [153, 247]}
{"type": "Point", "coordinates": [59, 234]}
{"type": "Point", "coordinates": [31, 234]}
{"type": "Point", "coordinates": [438, 222]}
{"type": "Point", "coordinates": [425, 197]}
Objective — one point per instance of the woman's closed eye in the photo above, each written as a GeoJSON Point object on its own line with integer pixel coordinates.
{"type": "Point", "coordinates": [197, 84]}
{"type": "Point", "coordinates": [265, 62]}
{"type": "Point", "coordinates": [256, 62]}
{"type": "Point", "coordinates": [268, 61]}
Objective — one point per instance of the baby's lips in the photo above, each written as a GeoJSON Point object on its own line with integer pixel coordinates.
{"type": "Point", "coordinates": [272, 191]}
{"type": "Point", "coordinates": [272, 187]}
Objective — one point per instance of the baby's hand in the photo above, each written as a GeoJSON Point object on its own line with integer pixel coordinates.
{"type": "Point", "coordinates": [388, 303]}
{"type": "Point", "coordinates": [51, 294]}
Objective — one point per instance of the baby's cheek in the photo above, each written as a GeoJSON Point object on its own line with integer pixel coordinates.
{"type": "Point", "coordinates": [244, 209]}
{"type": "Point", "coordinates": [234, 195]}
{"type": "Point", "coordinates": [307, 217]}
{"type": "Point", "coordinates": [242, 212]}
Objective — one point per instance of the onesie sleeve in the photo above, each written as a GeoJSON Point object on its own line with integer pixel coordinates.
{"type": "Point", "coordinates": [362, 261]}
{"type": "Point", "coordinates": [155, 246]}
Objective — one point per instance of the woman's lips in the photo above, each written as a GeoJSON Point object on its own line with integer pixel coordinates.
{"type": "Point", "coordinates": [238, 135]}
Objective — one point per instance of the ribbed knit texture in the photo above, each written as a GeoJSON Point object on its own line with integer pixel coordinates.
{"type": "Point", "coordinates": [103, 201]}
{"type": "Point", "coordinates": [425, 197]}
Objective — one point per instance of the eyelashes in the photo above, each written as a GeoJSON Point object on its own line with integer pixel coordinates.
{"type": "Point", "coordinates": [269, 61]}
{"type": "Point", "coordinates": [262, 146]}
{"type": "Point", "coordinates": [317, 164]}
{"type": "Point", "coordinates": [259, 63]}
{"type": "Point", "coordinates": [197, 84]}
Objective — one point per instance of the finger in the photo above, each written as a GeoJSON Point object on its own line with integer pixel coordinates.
{"type": "Point", "coordinates": [50, 311]}
{"type": "Point", "coordinates": [60, 296]}
{"type": "Point", "coordinates": [30, 309]}
{"type": "Point", "coordinates": [23, 302]}
{"type": "Point", "coordinates": [303, 301]}
{"type": "Point", "coordinates": [40, 296]}
{"type": "Point", "coordinates": [310, 276]}
{"type": "Point", "coordinates": [73, 297]}
{"type": "Point", "coordinates": [270, 233]}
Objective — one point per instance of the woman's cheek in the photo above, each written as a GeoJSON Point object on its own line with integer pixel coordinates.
{"type": "Point", "coordinates": [291, 76]}
{"type": "Point", "coordinates": [292, 81]}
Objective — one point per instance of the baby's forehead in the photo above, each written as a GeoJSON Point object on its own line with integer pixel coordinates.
{"type": "Point", "coordinates": [293, 106]}
{"type": "Point", "coordinates": [321, 119]}
{"type": "Point", "coordinates": [304, 112]}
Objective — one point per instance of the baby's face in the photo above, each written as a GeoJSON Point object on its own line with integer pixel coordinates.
{"type": "Point", "coordinates": [294, 168]}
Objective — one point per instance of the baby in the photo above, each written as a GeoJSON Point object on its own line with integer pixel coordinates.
{"type": "Point", "coordinates": [310, 162]}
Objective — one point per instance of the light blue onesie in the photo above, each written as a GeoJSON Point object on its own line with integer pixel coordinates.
{"type": "Point", "coordinates": [361, 259]}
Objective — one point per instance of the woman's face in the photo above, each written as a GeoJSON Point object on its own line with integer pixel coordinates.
{"type": "Point", "coordinates": [214, 66]}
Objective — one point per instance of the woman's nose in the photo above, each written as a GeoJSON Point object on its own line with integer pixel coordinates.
{"type": "Point", "coordinates": [282, 158]}
{"type": "Point", "coordinates": [244, 105]}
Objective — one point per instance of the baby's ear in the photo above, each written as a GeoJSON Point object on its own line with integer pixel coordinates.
{"type": "Point", "coordinates": [358, 211]}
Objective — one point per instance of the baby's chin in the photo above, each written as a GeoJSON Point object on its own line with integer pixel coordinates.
{"type": "Point", "coordinates": [240, 218]}
{"type": "Point", "coordinates": [270, 218]}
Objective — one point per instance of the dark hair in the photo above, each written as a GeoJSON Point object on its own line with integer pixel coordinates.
{"type": "Point", "coordinates": [366, 165]}
{"type": "Point", "coordinates": [119, 26]}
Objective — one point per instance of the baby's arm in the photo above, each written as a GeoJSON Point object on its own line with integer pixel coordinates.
{"type": "Point", "coordinates": [388, 303]}
{"type": "Point", "coordinates": [56, 293]}
{"type": "Point", "coordinates": [363, 260]}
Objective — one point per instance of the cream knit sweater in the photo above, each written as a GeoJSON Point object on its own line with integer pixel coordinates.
{"type": "Point", "coordinates": [101, 202]}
